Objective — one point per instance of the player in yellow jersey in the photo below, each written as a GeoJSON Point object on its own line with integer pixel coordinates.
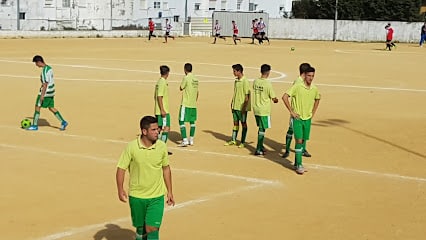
{"type": "Point", "coordinates": [240, 105]}
{"type": "Point", "coordinates": [150, 178]}
{"type": "Point", "coordinates": [306, 100]}
{"type": "Point", "coordinates": [161, 98]}
{"type": "Point", "coordinates": [299, 80]}
{"type": "Point", "coordinates": [188, 107]}
{"type": "Point", "coordinates": [263, 93]}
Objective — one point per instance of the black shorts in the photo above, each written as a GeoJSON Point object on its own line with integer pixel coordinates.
{"type": "Point", "coordinates": [167, 33]}
{"type": "Point", "coordinates": [217, 34]}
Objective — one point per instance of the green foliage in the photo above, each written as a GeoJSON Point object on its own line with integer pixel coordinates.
{"type": "Point", "coordinates": [381, 10]}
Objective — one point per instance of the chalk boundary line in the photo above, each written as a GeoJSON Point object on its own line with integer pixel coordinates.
{"type": "Point", "coordinates": [316, 166]}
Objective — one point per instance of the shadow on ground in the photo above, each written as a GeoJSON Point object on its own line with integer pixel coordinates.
{"type": "Point", "coordinates": [114, 232]}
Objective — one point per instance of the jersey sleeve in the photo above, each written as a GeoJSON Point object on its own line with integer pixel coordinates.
{"type": "Point", "coordinates": [46, 75]}
{"type": "Point", "coordinates": [292, 90]}
{"type": "Point", "coordinates": [271, 91]}
{"type": "Point", "coordinates": [246, 87]}
{"type": "Point", "coordinates": [125, 158]}
{"type": "Point", "coordinates": [317, 95]}
{"type": "Point", "coordinates": [165, 157]}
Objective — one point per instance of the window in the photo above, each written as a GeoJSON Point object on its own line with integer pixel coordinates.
{"type": "Point", "coordinates": [21, 15]}
{"type": "Point", "coordinates": [165, 5]}
{"type": "Point", "coordinates": [66, 3]}
{"type": "Point", "coordinates": [223, 5]}
{"type": "Point", "coordinates": [3, 2]}
{"type": "Point", "coordinates": [212, 5]}
{"type": "Point", "coordinates": [157, 5]}
{"type": "Point", "coordinates": [197, 6]}
{"type": "Point", "coordinates": [238, 6]}
{"type": "Point", "coordinates": [48, 3]}
{"type": "Point", "coordinates": [143, 4]}
{"type": "Point", "coordinates": [176, 18]}
{"type": "Point", "coordinates": [252, 7]}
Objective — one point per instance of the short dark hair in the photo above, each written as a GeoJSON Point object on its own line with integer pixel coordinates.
{"type": "Point", "coordinates": [38, 58]}
{"type": "Point", "coordinates": [147, 121]}
{"type": "Point", "coordinates": [310, 69]}
{"type": "Point", "coordinates": [164, 69]}
{"type": "Point", "coordinates": [188, 67]}
{"type": "Point", "coordinates": [303, 67]}
{"type": "Point", "coordinates": [265, 68]}
{"type": "Point", "coordinates": [238, 67]}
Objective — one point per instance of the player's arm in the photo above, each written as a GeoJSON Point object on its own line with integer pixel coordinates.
{"type": "Point", "coordinates": [314, 110]}
{"type": "Point", "coordinates": [119, 177]}
{"type": "Point", "coordinates": [246, 101]}
{"type": "Point", "coordinates": [286, 101]}
{"type": "Point", "coordinates": [43, 91]}
{"type": "Point", "coordinates": [160, 104]}
{"type": "Point", "coordinates": [167, 176]}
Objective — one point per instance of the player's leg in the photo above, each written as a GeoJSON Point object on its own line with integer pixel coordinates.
{"type": "Point", "coordinates": [182, 126]}
{"type": "Point", "coordinates": [298, 135]}
{"type": "Point", "coordinates": [288, 138]}
{"type": "Point", "coordinates": [234, 38]}
{"type": "Point", "coordinates": [164, 124]}
{"type": "Point", "coordinates": [252, 38]}
{"type": "Point", "coordinates": [138, 209]}
{"type": "Point", "coordinates": [235, 117]}
{"type": "Point", "coordinates": [192, 118]}
{"type": "Point", "coordinates": [154, 217]}
{"type": "Point", "coordinates": [36, 116]}
{"type": "Point", "coordinates": [244, 130]}
{"type": "Point", "coordinates": [263, 122]}
{"type": "Point", "coordinates": [306, 135]}
{"type": "Point", "coordinates": [149, 35]}
{"type": "Point", "coordinates": [215, 36]}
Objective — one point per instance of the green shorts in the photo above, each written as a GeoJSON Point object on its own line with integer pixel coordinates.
{"type": "Point", "coordinates": [164, 122]}
{"type": "Point", "coordinates": [239, 116]}
{"type": "Point", "coordinates": [187, 114]}
{"type": "Point", "coordinates": [48, 102]}
{"type": "Point", "coordinates": [302, 128]}
{"type": "Point", "coordinates": [146, 211]}
{"type": "Point", "coordinates": [263, 121]}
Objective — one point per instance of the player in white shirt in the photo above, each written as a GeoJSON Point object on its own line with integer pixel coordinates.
{"type": "Point", "coordinates": [216, 30]}
{"type": "Point", "coordinates": [168, 29]}
{"type": "Point", "coordinates": [261, 26]}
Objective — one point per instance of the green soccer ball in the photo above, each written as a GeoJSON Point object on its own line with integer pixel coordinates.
{"type": "Point", "coordinates": [26, 123]}
{"type": "Point", "coordinates": [292, 48]}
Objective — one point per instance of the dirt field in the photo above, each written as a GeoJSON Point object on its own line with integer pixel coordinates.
{"type": "Point", "coordinates": [366, 178]}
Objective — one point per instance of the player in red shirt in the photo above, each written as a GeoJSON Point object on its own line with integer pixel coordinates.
{"type": "Point", "coordinates": [151, 26]}
{"type": "Point", "coordinates": [255, 31]}
{"type": "Point", "coordinates": [235, 32]}
{"type": "Point", "coordinates": [389, 37]}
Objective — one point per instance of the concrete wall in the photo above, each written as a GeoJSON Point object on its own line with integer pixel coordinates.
{"type": "Point", "coordinates": [356, 31]}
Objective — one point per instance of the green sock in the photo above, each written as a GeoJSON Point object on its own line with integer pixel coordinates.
{"type": "Point", "coordinates": [299, 152]}
{"type": "Point", "coordinates": [244, 135]}
{"type": "Point", "coordinates": [153, 235]}
{"type": "Point", "coordinates": [192, 130]}
{"type": "Point", "coordinates": [288, 139]}
{"type": "Point", "coordinates": [36, 117]}
{"type": "Point", "coordinates": [59, 116]}
{"type": "Point", "coordinates": [164, 136]}
{"type": "Point", "coordinates": [235, 133]}
{"type": "Point", "coordinates": [304, 146]}
{"type": "Point", "coordinates": [260, 138]}
{"type": "Point", "coordinates": [182, 129]}
{"type": "Point", "coordinates": [140, 231]}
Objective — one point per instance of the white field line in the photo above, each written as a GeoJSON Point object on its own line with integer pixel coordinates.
{"type": "Point", "coordinates": [107, 160]}
{"type": "Point", "coordinates": [92, 227]}
{"type": "Point", "coordinates": [317, 166]}
{"type": "Point", "coordinates": [280, 74]}
{"type": "Point", "coordinates": [370, 51]}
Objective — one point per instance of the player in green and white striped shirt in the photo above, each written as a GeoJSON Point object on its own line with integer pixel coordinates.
{"type": "Point", "coordinates": [45, 98]}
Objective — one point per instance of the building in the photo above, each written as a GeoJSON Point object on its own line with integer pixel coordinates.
{"type": "Point", "coordinates": [121, 14]}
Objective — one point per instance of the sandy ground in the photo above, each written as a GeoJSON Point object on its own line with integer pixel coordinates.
{"type": "Point", "coordinates": [366, 178]}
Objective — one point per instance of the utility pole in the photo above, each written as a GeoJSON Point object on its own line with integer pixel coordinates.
{"type": "Point", "coordinates": [335, 22]}
{"type": "Point", "coordinates": [186, 11]}
{"type": "Point", "coordinates": [18, 17]}
{"type": "Point", "coordinates": [110, 17]}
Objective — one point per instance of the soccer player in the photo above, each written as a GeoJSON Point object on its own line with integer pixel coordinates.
{"type": "Point", "coordinates": [389, 37]}
{"type": "Point", "coordinates": [217, 29]}
{"type": "Point", "coordinates": [235, 32]}
{"type": "Point", "coordinates": [168, 29]}
{"type": "Point", "coordinates": [422, 35]}
{"type": "Point", "coordinates": [151, 25]}
{"type": "Point", "coordinates": [45, 98]}
{"type": "Point", "coordinates": [161, 97]}
{"type": "Point", "coordinates": [261, 26]}
{"type": "Point", "coordinates": [150, 179]}
{"type": "Point", "coordinates": [263, 94]}
{"type": "Point", "coordinates": [255, 31]}
{"type": "Point", "coordinates": [240, 105]}
{"type": "Point", "coordinates": [188, 107]}
{"type": "Point", "coordinates": [302, 71]}
{"type": "Point", "coordinates": [306, 100]}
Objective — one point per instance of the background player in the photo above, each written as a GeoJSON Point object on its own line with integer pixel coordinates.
{"type": "Point", "coordinates": [151, 26]}
{"type": "Point", "coordinates": [168, 29]}
{"type": "Point", "coordinates": [389, 37]}
{"type": "Point", "coordinates": [216, 29]}
{"type": "Point", "coordinates": [235, 32]}
{"type": "Point", "coordinates": [161, 97]}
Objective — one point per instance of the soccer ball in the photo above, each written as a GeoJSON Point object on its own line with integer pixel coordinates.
{"type": "Point", "coordinates": [26, 123]}
{"type": "Point", "coordinates": [292, 48]}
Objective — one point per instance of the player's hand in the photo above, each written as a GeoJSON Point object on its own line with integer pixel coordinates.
{"type": "Point", "coordinates": [40, 102]}
{"type": "Point", "coordinates": [122, 195]}
{"type": "Point", "coordinates": [163, 113]}
{"type": "Point", "coordinates": [275, 100]}
{"type": "Point", "coordinates": [295, 115]}
{"type": "Point", "coordinates": [170, 199]}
